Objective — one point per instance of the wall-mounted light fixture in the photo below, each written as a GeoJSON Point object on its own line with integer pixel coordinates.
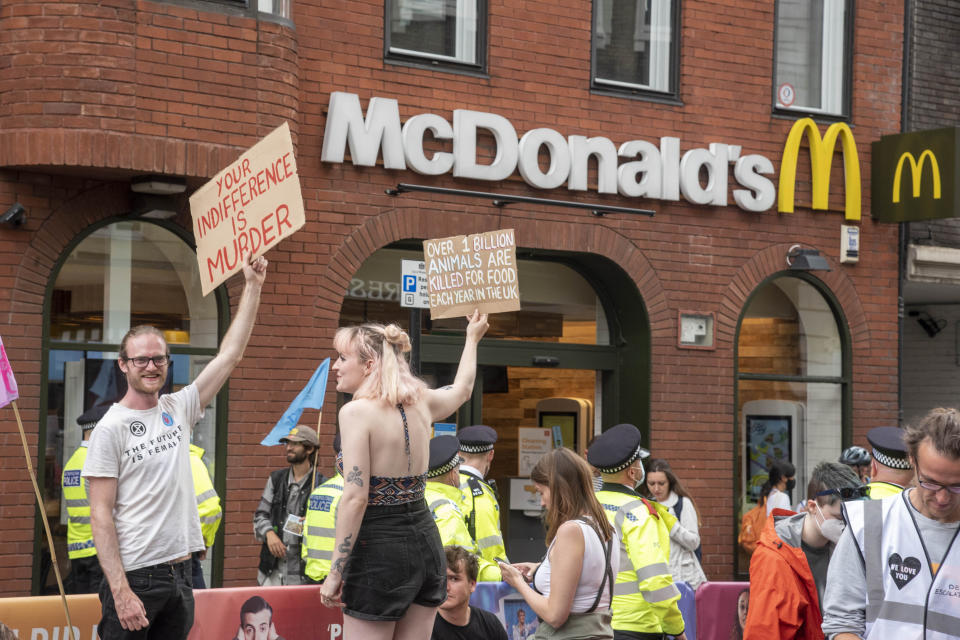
{"type": "Point", "coordinates": [155, 207]}
{"type": "Point", "coordinates": [800, 259]}
{"type": "Point", "coordinates": [158, 185]}
{"type": "Point", "coordinates": [15, 216]}
{"type": "Point", "coordinates": [928, 323]}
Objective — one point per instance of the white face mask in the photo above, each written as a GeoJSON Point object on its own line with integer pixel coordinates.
{"type": "Point", "coordinates": [831, 529]}
{"type": "Point", "coordinates": [643, 476]}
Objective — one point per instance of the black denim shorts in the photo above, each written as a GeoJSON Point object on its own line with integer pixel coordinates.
{"type": "Point", "coordinates": [398, 561]}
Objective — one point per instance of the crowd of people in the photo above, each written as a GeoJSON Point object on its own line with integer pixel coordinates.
{"type": "Point", "coordinates": [407, 525]}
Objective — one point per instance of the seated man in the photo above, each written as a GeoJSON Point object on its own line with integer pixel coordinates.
{"type": "Point", "coordinates": [457, 620]}
{"type": "Point", "coordinates": [788, 570]}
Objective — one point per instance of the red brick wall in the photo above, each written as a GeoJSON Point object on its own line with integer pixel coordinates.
{"type": "Point", "coordinates": [106, 90]}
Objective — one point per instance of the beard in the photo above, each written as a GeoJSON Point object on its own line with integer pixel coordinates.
{"type": "Point", "coordinates": [296, 458]}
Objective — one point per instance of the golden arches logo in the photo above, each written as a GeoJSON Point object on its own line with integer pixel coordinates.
{"type": "Point", "coordinates": [821, 158]}
{"type": "Point", "coordinates": [916, 173]}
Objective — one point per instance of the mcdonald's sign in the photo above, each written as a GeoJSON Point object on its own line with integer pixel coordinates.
{"type": "Point", "coordinates": [821, 160]}
{"type": "Point", "coordinates": [913, 176]}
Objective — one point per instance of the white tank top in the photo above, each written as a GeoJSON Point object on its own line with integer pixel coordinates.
{"type": "Point", "coordinates": [591, 573]}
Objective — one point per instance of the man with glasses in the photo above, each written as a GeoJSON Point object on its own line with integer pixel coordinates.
{"type": "Point", "coordinates": [142, 504]}
{"type": "Point", "coordinates": [279, 518]}
{"type": "Point", "coordinates": [896, 574]}
{"type": "Point", "coordinates": [788, 571]}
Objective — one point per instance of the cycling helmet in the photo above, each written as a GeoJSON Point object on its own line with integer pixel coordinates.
{"type": "Point", "coordinates": [855, 456]}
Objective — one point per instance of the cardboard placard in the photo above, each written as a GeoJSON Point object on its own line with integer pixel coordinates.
{"type": "Point", "coordinates": [249, 206]}
{"type": "Point", "coordinates": [478, 271]}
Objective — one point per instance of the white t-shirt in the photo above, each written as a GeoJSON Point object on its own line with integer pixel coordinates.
{"type": "Point", "coordinates": [591, 572]}
{"type": "Point", "coordinates": [149, 454]}
{"type": "Point", "coordinates": [778, 500]}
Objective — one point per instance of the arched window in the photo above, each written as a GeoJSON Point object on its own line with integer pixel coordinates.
{"type": "Point", "coordinates": [119, 275]}
{"type": "Point", "coordinates": [793, 384]}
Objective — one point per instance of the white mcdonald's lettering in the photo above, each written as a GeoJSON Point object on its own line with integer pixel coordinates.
{"type": "Point", "coordinates": [916, 173]}
{"type": "Point", "coordinates": [635, 169]}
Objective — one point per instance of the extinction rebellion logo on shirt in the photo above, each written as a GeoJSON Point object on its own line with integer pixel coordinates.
{"type": "Point", "coordinates": [137, 428]}
{"type": "Point", "coordinates": [167, 419]}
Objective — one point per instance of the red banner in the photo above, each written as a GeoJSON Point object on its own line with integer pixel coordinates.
{"type": "Point", "coordinates": [294, 613]}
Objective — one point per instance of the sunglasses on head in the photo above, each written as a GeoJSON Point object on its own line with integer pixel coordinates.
{"type": "Point", "coordinates": [847, 493]}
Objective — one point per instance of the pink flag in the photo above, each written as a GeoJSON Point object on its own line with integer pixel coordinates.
{"type": "Point", "coordinates": [8, 389]}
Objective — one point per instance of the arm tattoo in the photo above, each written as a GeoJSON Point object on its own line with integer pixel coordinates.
{"type": "Point", "coordinates": [355, 477]}
{"type": "Point", "coordinates": [345, 547]}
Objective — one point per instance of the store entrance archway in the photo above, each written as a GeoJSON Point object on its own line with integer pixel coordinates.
{"type": "Point", "coordinates": [582, 333]}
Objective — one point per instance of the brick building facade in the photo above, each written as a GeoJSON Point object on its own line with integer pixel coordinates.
{"type": "Point", "coordinates": [96, 94]}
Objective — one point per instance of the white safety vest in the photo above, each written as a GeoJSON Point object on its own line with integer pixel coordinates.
{"type": "Point", "coordinates": [904, 599]}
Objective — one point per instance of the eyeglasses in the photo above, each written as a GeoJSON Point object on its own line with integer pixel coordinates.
{"type": "Point", "coordinates": [141, 361]}
{"type": "Point", "coordinates": [847, 493]}
{"type": "Point", "coordinates": [936, 486]}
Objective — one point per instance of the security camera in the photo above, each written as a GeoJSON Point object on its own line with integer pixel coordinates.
{"type": "Point", "coordinates": [14, 216]}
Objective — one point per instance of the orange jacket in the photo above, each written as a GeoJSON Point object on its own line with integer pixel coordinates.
{"type": "Point", "coordinates": [783, 595]}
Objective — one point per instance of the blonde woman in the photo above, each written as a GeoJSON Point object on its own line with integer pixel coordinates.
{"type": "Point", "coordinates": [388, 569]}
{"type": "Point", "coordinates": [573, 585]}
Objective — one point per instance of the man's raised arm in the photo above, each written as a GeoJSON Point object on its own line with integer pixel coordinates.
{"type": "Point", "coordinates": [215, 374]}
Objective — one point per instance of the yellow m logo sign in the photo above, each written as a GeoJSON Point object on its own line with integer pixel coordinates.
{"type": "Point", "coordinates": [821, 158]}
{"type": "Point", "coordinates": [916, 173]}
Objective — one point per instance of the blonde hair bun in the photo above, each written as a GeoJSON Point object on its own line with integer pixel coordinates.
{"type": "Point", "coordinates": [396, 336]}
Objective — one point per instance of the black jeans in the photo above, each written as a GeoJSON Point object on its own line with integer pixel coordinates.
{"type": "Point", "coordinates": [166, 591]}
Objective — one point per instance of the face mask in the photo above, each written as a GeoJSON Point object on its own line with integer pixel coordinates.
{"type": "Point", "coordinates": [832, 528]}
{"type": "Point", "coordinates": [791, 484]}
{"type": "Point", "coordinates": [643, 476]}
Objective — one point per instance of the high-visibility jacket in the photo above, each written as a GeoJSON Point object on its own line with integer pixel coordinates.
{"type": "Point", "coordinates": [906, 596]}
{"type": "Point", "coordinates": [208, 502]}
{"type": "Point", "coordinates": [880, 490]}
{"type": "Point", "coordinates": [79, 532]}
{"type": "Point", "coordinates": [320, 528]}
{"type": "Point", "coordinates": [482, 514]}
{"type": "Point", "coordinates": [444, 503]}
{"type": "Point", "coordinates": [644, 596]}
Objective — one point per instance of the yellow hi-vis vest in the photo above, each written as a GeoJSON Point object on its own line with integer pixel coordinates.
{"type": "Point", "coordinates": [644, 596]}
{"type": "Point", "coordinates": [320, 528]}
{"type": "Point", "coordinates": [79, 533]}
{"type": "Point", "coordinates": [444, 503]}
{"type": "Point", "coordinates": [880, 490]}
{"type": "Point", "coordinates": [907, 596]}
{"type": "Point", "coordinates": [208, 502]}
{"type": "Point", "coordinates": [480, 508]}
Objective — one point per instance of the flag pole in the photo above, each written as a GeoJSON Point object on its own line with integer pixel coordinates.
{"type": "Point", "coordinates": [46, 525]}
{"type": "Point", "coordinates": [317, 452]}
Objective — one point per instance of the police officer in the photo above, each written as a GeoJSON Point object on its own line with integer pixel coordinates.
{"type": "Point", "coordinates": [208, 506]}
{"type": "Point", "coordinates": [481, 509]}
{"type": "Point", "coordinates": [85, 573]}
{"type": "Point", "coordinates": [319, 527]}
{"type": "Point", "coordinates": [444, 501]}
{"type": "Point", "coordinates": [644, 596]}
{"type": "Point", "coordinates": [890, 470]}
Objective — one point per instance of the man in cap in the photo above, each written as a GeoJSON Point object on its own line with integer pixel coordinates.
{"type": "Point", "coordinates": [644, 596]}
{"type": "Point", "coordinates": [788, 571]}
{"type": "Point", "coordinates": [319, 527]}
{"type": "Point", "coordinates": [444, 501]}
{"type": "Point", "coordinates": [208, 508]}
{"type": "Point", "coordinates": [481, 509]}
{"type": "Point", "coordinates": [85, 573]}
{"type": "Point", "coordinates": [278, 520]}
{"type": "Point", "coordinates": [890, 470]}
{"type": "Point", "coordinates": [894, 574]}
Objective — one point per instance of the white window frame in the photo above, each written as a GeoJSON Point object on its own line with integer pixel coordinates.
{"type": "Point", "coordinates": [833, 63]}
{"type": "Point", "coordinates": [661, 46]}
{"type": "Point", "coordinates": [467, 51]}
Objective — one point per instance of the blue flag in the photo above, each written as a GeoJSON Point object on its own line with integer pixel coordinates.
{"type": "Point", "coordinates": [310, 398]}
